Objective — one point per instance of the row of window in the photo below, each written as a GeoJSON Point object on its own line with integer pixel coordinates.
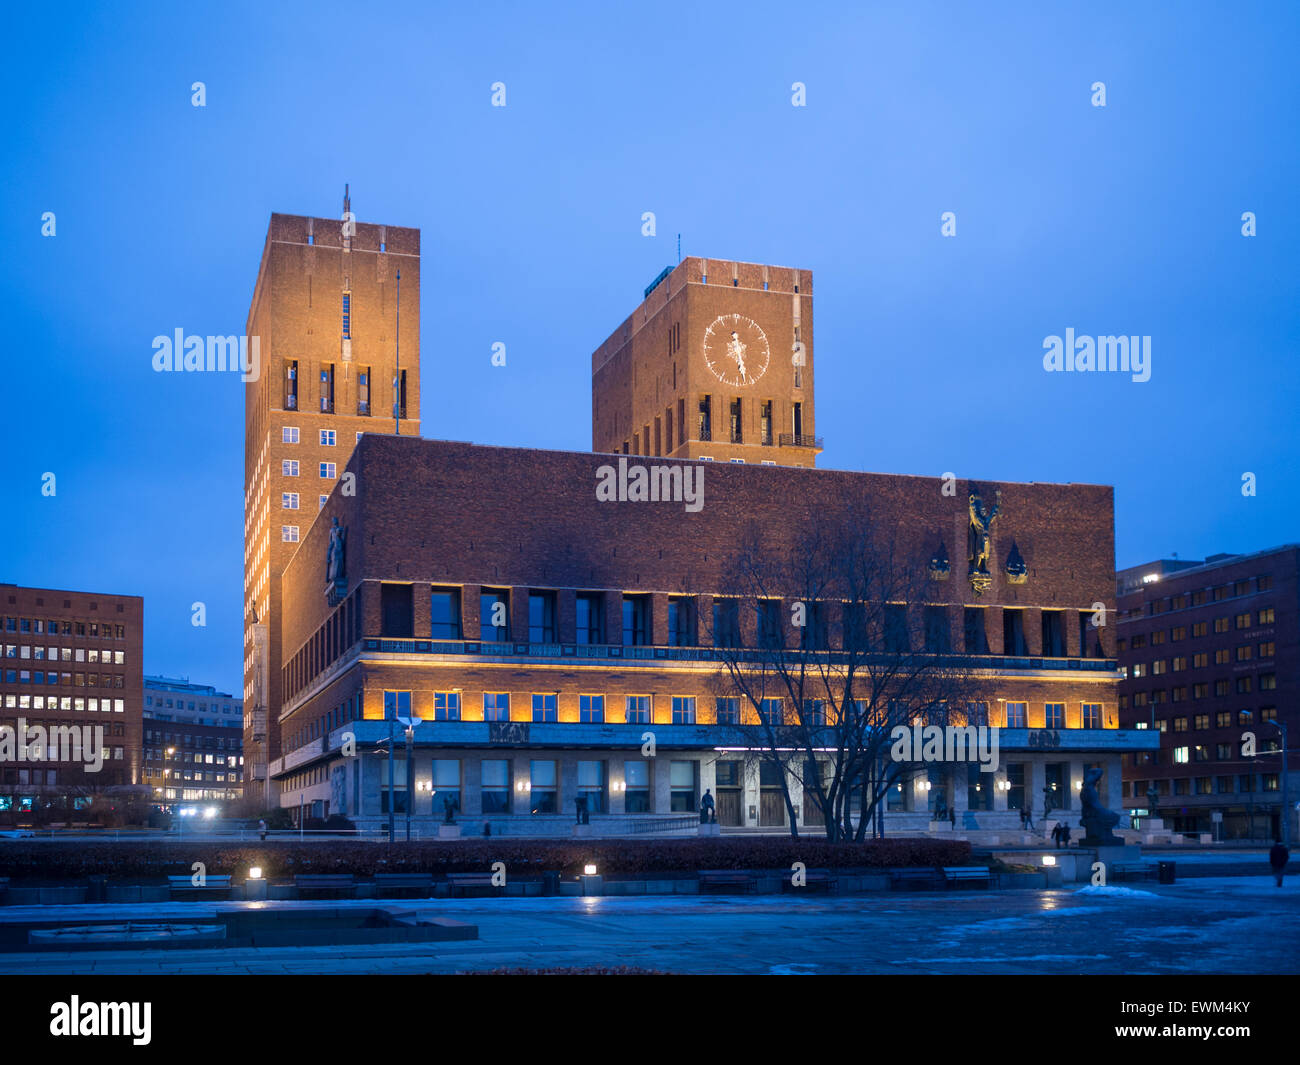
{"type": "Point", "coordinates": [76, 680]}
{"type": "Point", "coordinates": [1200, 629]}
{"type": "Point", "coordinates": [56, 627]}
{"type": "Point", "coordinates": [897, 635]}
{"type": "Point", "coordinates": [1265, 682]}
{"type": "Point", "coordinates": [637, 709]}
{"type": "Point", "coordinates": [1237, 784]}
{"type": "Point", "coordinates": [289, 468]}
{"type": "Point", "coordinates": [1244, 652]}
{"type": "Point", "coordinates": [1201, 596]}
{"type": "Point", "coordinates": [63, 702]}
{"type": "Point", "coordinates": [327, 387]}
{"type": "Point", "coordinates": [65, 654]}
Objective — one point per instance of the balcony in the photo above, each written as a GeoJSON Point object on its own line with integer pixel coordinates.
{"type": "Point", "coordinates": [705, 434]}
{"type": "Point", "coordinates": [793, 440]}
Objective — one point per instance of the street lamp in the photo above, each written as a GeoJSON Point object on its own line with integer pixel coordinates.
{"type": "Point", "coordinates": [1286, 810]}
{"type": "Point", "coordinates": [409, 724]}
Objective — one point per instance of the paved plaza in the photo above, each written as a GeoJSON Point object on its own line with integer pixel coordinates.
{"type": "Point", "coordinates": [1208, 925]}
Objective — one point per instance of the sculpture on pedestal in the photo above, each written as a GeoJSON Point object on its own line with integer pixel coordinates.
{"type": "Point", "coordinates": [1097, 820]}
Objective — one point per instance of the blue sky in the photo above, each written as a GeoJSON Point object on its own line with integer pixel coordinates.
{"type": "Point", "coordinates": [1117, 220]}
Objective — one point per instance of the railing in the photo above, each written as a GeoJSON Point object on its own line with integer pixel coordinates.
{"type": "Point", "coordinates": [705, 434]}
{"type": "Point", "coordinates": [714, 654]}
{"type": "Point", "coordinates": [681, 823]}
{"type": "Point", "coordinates": [795, 440]}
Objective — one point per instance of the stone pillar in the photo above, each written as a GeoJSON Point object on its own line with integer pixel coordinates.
{"type": "Point", "coordinates": [658, 619]}
{"type": "Point", "coordinates": [566, 615]}
{"type": "Point", "coordinates": [613, 617]}
{"type": "Point", "coordinates": [616, 779]}
{"type": "Point", "coordinates": [660, 785]}
{"type": "Point", "coordinates": [1035, 781]}
{"type": "Point", "coordinates": [469, 610]}
{"type": "Point", "coordinates": [749, 796]}
{"type": "Point", "coordinates": [993, 629]}
{"type": "Point", "coordinates": [519, 614]}
{"type": "Point", "coordinates": [567, 783]}
{"type": "Point", "coordinates": [1033, 619]}
{"type": "Point", "coordinates": [703, 619]}
{"type": "Point", "coordinates": [471, 785]}
{"type": "Point", "coordinates": [520, 801]}
{"type": "Point", "coordinates": [421, 610]}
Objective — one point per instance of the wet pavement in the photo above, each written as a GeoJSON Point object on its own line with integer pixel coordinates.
{"type": "Point", "coordinates": [1207, 925]}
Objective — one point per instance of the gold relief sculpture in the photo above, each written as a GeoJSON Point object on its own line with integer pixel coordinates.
{"type": "Point", "coordinates": [939, 565]}
{"type": "Point", "coordinates": [978, 540]}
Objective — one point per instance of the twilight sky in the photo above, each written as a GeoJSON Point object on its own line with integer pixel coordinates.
{"type": "Point", "coordinates": [1122, 219]}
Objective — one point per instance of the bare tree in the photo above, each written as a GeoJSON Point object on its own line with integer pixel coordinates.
{"type": "Point", "coordinates": [826, 648]}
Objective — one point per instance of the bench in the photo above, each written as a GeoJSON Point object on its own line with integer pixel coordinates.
{"type": "Point", "coordinates": [184, 887]}
{"type": "Point", "coordinates": [975, 875]}
{"type": "Point", "coordinates": [324, 885]}
{"type": "Point", "coordinates": [913, 879]}
{"type": "Point", "coordinates": [1133, 871]}
{"type": "Point", "coordinates": [388, 885]}
{"type": "Point", "coordinates": [814, 879]}
{"type": "Point", "coordinates": [459, 883]}
{"type": "Point", "coordinates": [725, 879]}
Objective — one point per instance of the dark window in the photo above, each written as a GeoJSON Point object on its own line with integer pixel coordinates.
{"type": "Point", "coordinates": [494, 615]}
{"type": "Point", "coordinates": [636, 618]}
{"type": "Point", "coordinates": [1054, 633]}
{"type": "Point", "coordinates": [290, 385]}
{"type": "Point", "coordinates": [681, 632]}
{"type": "Point", "coordinates": [445, 614]}
{"type": "Point", "coordinates": [896, 634]}
{"type": "Point", "coordinates": [541, 617]}
{"type": "Point", "coordinates": [327, 388]}
{"type": "Point", "coordinates": [589, 618]}
{"type": "Point", "coordinates": [938, 632]}
{"type": "Point", "coordinates": [977, 640]}
{"type": "Point", "coordinates": [769, 623]}
{"type": "Point", "coordinates": [396, 615]}
{"type": "Point", "coordinates": [1013, 632]}
{"type": "Point", "coordinates": [726, 623]}
{"type": "Point", "coordinates": [706, 418]}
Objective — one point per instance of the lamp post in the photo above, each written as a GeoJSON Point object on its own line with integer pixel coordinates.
{"type": "Point", "coordinates": [410, 724]}
{"type": "Point", "coordinates": [1286, 808]}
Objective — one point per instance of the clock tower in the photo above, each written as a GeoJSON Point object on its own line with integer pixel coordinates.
{"type": "Point", "coordinates": [716, 363]}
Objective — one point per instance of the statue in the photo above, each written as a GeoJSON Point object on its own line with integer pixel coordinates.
{"type": "Point", "coordinates": [977, 540]}
{"type": "Point", "coordinates": [1153, 799]}
{"type": "Point", "coordinates": [940, 807]}
{"type": "Point", "coordinates": [1096, 819]}
{"type": "Point", "coordinates": [584, 816]}
{"type": "Point", "coordinates": [706, 809]}
{"type": "Point", "coordinates": [448, 810]}
{"type": "Point", "coordinates": [335, 562]}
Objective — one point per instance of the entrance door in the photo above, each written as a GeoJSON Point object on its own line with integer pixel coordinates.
{"type": "Point", "coordinates": [728, 811]}
{"type": "Point", "coordinates": [771, 810]}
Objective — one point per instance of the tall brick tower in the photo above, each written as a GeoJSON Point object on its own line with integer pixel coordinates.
{"type": "Point", "coordinates": [716, 362]}
{"type": "Point", "coordinates": [333, 366]}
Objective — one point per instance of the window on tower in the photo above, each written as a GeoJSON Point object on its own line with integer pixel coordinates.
{"type": "Point", "coordinates": [363, 390]}
{"type": "Point", "coordinates": [347, 315]}
{"type": "Point", "coordinates": [327, 388]}
{"type": "Point", "coordinates": [291, 384]}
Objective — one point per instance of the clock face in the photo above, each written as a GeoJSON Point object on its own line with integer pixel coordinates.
{"type": "Point", "coordinates": [736, 350]}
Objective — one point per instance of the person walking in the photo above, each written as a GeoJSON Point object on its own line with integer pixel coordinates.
{"type": "Point", "coordinates": [1065, 836]}
{"type": "Point", "coordinates": [1056, 836]}
{"type": "Point", "coordinates": [1028, 814]}
{"type": "Point", "coordinates": [1277, 858]}
{"type": "Point", "coordinates": [261, 830]}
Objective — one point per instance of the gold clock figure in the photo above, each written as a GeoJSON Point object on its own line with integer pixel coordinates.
{"type": "Point", "coordinates": [736, 350]}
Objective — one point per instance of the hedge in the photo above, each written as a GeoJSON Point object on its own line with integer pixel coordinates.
{"type": "Point", "coordinates": [154, 859]}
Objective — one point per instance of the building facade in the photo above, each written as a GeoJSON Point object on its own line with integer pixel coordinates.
{"type": "Point", "coordinates": [1209, 652]}
{"type": "Point", "coordinates": [542, 633]}
{"type": "Point", "coordinates": [339, 358]}
{"type": "Point", "coordinates": [72, 663]}
{"type": "Point", "coordinates": [193, 743]}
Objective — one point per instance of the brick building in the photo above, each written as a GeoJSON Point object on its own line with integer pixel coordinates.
{"type": "Point", "coordinates": [536, 630]}
{"type": "Point", "coordinates": [325, 305]}
{"type": "Point", "coordinates": [193, 743]}
{"type": "Point", "coordinates": [71, 659]}
{"type": "Point", "coordinates": [1209, 652]}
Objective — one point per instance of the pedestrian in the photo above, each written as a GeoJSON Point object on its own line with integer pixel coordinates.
{"type": "Point", "coordinates": [952, 817]}
{"type": "Point", "coordinates": [1065, 836]}
{"type": "Point", "coordinates": [261, 830]}
{"type": "Point", "coordinates": [1028, 813]}
{"type": "Point", "coordinates": [1056, 836]}
{"type": "Point", "coordinates": [1277, 858]}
